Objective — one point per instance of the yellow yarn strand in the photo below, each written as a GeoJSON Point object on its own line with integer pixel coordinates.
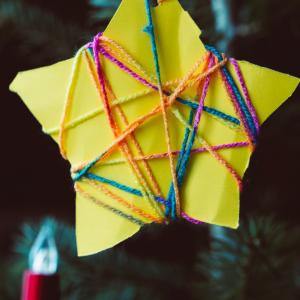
{"type": "Point", "coordinates": [69, 101]}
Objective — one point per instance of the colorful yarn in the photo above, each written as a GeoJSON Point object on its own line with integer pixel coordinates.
{"type": "Point", "coordinates": [190, 219]}
{"type": "Point", "coordinates": [176, 153]}
{"type": "Point", "coordinates": [181, 156]}
{"type": "Point", "coordinates": [236, 95]}
{"type": "Point", "coordinates": [120, 200]}
{"type": "Point", "coordinates": [69, 101]}
{"type": "Point", "coordinates": [126, 69]}
{"type": "Point", "coordinates": [187, 154]}
{"type": "Point", "coordinates": [221, 115]}
{"type": "Point", "coordinates": [246, 93]}
{"type": "Point", "coordinates": [187, 148]}
{"type": "Point", "coordinates": [140, 152]}
{"type": "Point", "coordinates": [92, 114]}
{"type": "Point", "coordinates": [85, 167]}
{"type": "Point", "coordinates": [150, 30]}
{"type": "Point", "coordinates": [123, 187]}
{"type": "Point", "coordinates": [122, 54]}
{"type": "Point", "coordinates": [108, 207]}
{"type": "Point", "coordinates": [148, 188]}
{"type": "Point", "coordinates": [124, 147]}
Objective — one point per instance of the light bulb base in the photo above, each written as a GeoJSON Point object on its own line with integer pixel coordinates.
{"type": "Point", "coordinates": [40, 287]}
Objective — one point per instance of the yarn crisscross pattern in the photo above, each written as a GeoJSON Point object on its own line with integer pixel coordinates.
{"type": "Point", "coordinates": [164, 207]}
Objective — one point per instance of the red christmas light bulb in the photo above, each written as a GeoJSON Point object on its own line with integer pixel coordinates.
{"type": "Point", "coordinates": [41, 281]}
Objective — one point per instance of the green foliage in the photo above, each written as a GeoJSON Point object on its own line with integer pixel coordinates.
{"type": "Point", "coordinates": [113, 274]}
{"type": "Point", "coordinates": [263, 16]}
{"type": "Point", "coordinates": [42, 37]}
{"type": "Point", "coordinates": [258, 261]}
{"type": "Point", "coordinates": [39, 35]}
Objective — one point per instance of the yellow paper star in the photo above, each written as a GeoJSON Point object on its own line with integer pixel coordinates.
{"type": "Point", "coordinates": [209, 193]}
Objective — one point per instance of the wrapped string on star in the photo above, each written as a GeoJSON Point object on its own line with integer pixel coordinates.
{"type": "Point", "coordinates": [149, 188]}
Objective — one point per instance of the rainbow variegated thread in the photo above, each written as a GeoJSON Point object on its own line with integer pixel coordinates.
{"type": "Point", "coordinates": [162, 208]}
{"type": "Point", "coordinates": [124, 147]}
{"type": "Point", "coordinates": [150, 30]}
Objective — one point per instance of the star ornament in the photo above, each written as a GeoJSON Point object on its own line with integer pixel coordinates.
{"type": "Point", "coordinates": [155, 125]}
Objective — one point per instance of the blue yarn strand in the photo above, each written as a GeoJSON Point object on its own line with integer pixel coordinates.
{"type": "Point", "coordinates": [150, 30]}
{"type": "Point", "coordinates": [171, 194]}
{"type": "Point", "coordinates": [211, 111]}
{"type": "Point", "coordinates": [221, 115]}
{"type": "Point", "coordinates": [237, 93]}
{"type": "Point", "coordinates": [77, 176]}
{"type": "Point", "coordinates": [123, 187]}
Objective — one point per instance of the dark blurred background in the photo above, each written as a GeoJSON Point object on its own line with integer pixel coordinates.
{"type": "Point", "coordinates": [179, 261]}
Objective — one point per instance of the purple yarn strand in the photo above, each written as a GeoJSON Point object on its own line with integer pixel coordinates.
{"type": "Point", "coordinates": [126, 69]}
{"type": "Point", "coordinates": [100, 74]}
{"type": "Point", "coordinates": [190, 219]}
{"type": "Point", "coordinates": [203, 149]}
{"type": "Point", "coordinates": [236, 104]}
{"type": "Point", "coordinates": [221, 147]}
{"type": "Point", "coordinates": [246, 93]}
{"type": "Point", "coordinates": [203, 96]}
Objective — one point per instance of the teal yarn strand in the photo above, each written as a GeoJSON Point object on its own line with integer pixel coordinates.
{"type": "Point", "coordinates": [221, 115]}
{"type": "Point", "coordinates": [179, 165]}
{"type": "Point", "coordinates": [77, 176]}
{"type": "Point", "coordinates": [123, 187]}
{"type": "Point", "coordinates": [239, 97]}
{"type": "Point", "coordinates": [212, 111]}
{"type": "Point", "coordinates": [150, 30]}
{"type": "Point", "coordinates": [188, 149]}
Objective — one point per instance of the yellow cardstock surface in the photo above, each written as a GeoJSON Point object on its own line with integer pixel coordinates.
{"type": "Point", "coordinates": [209, 193]}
